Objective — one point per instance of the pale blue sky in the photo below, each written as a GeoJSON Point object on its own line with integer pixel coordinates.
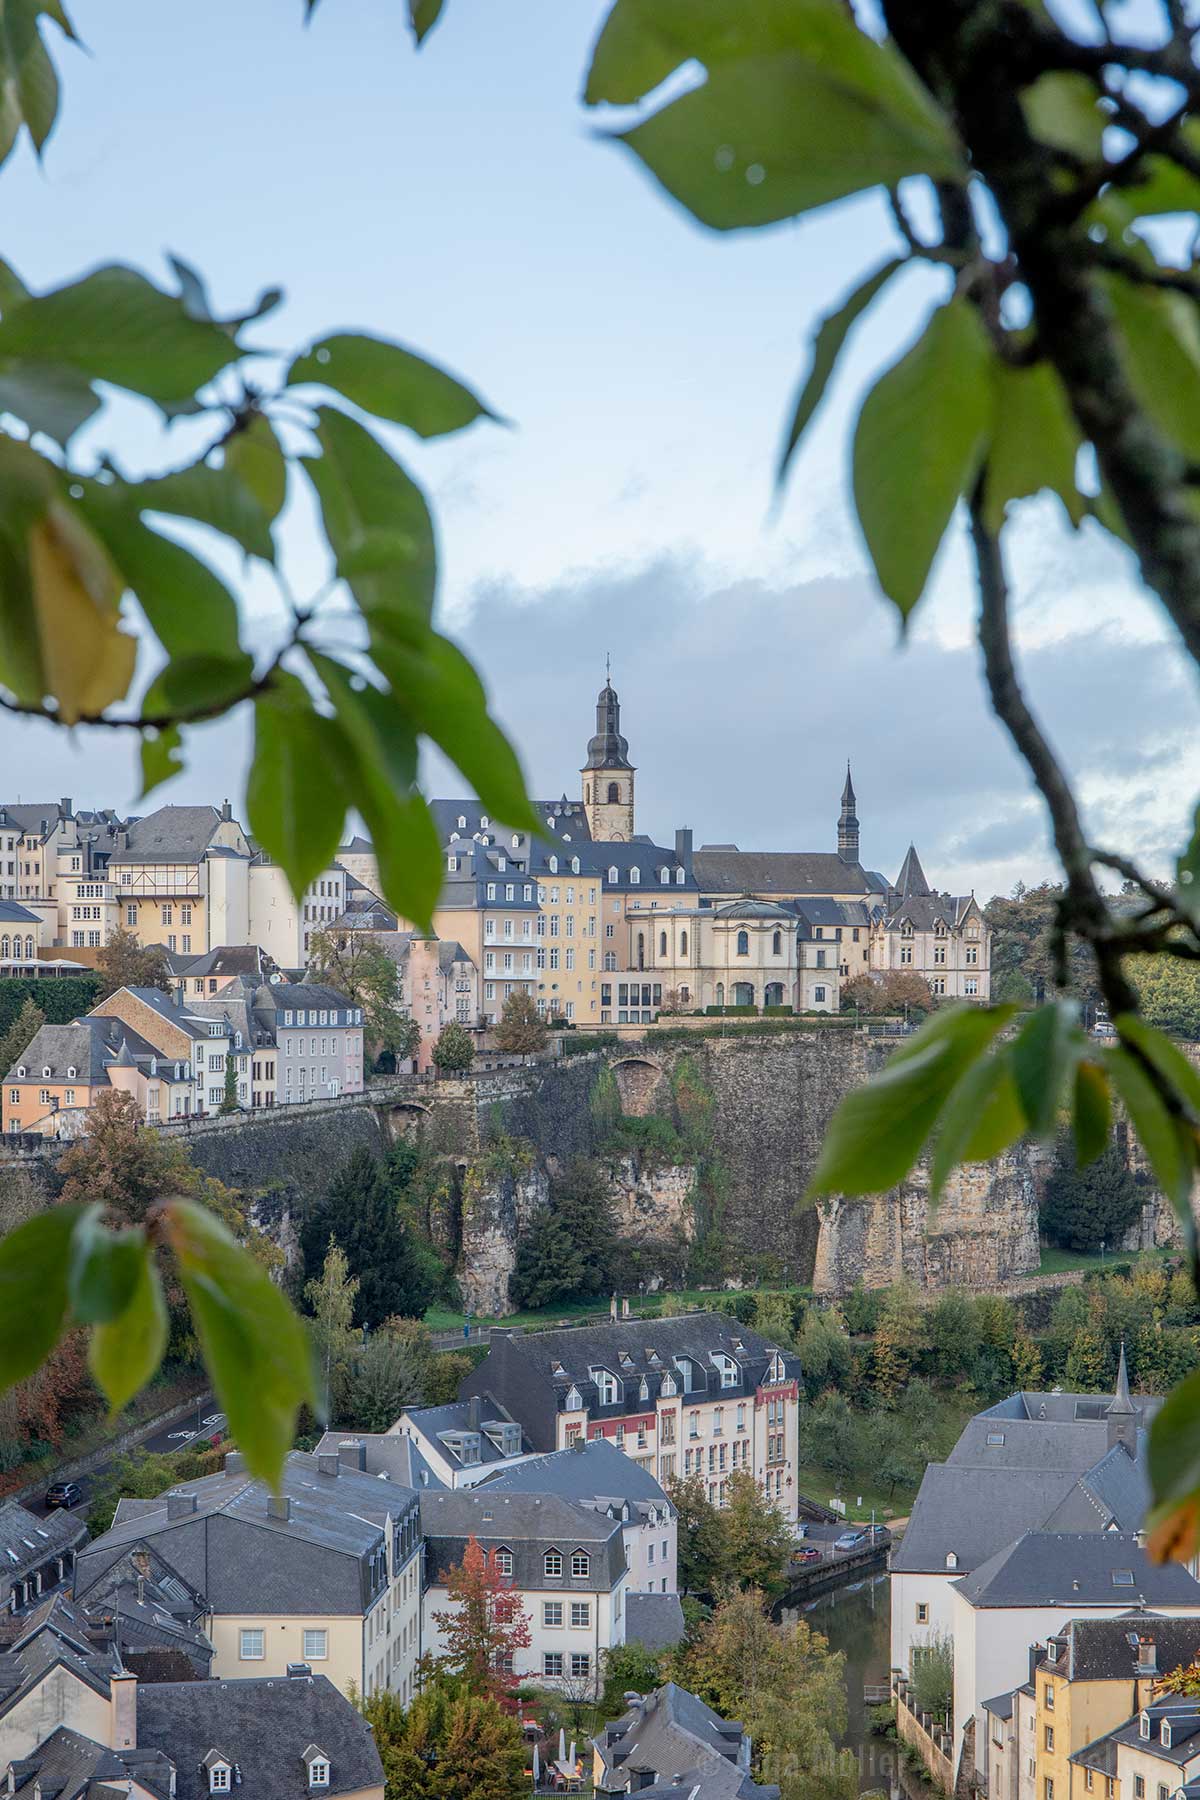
{"type": "Point", "coordinates": [458, 200]}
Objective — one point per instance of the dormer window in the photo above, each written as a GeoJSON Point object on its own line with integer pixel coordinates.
{"type": "Point", "coordinates": [951, 1559]}
{"type": "Point", "coordinates": [574, 1400]}
{"type": "Point", "coordinates": [1144, 1727]}
{"type": "Point", "coordinates": [1164, 1732]}
{"type": "Point", "coordinates": [46, 1072]}
{"type": "Point", "coordinates": [574, 865]}
{"type": "Point", "coordinates": [612, 875]}
{"type": "Point", "coordinates": [552, 1564]}
{"type": "Point", "coordinates": [581, 1565]}
{"type": "Point", "coordinates": [71, 1072]}
{"type": "Point", "coordinates": [462, 823]}
{"type": "Point", "coordinates": [635, 875]}
{"type": "Point", "coordinates": [669, 1387]}
{"type": "Point", "coordinates": [317, 1764]}
{"type": "Point", "coordinates": [21, 1069]}
{"type": "Point", "coordinates": [607, 1386]}
{"type": "Point", "coordinates": [553, 865]}
{"type": "Point", "coordinates": [220, 1774]}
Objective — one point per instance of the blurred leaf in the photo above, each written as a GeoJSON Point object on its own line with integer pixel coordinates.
{"type": "Point", "coordinates": [423, 16]}
{"type": "Point", "coordinates": [363, 493]}
{"type": "Point", "coordinates": [1166, 1150]}
{"type": "Point", "coordinates": [1187, 868]}
{"type": "Point", "coordinates": [1166, 1056]}
{"type": "Point", "coordinates": [28, 486]}
{"type": "Point", "coordinates": [440, 692]}
{"type": "Point", "coordinates": [391, 382]}
{"type": "Point", "coordinates": [28, 83]}
{"type": "Point", "coordinates": [1044, 1054]}
{"type": "Point", "coordinates": [33, 1290]}
{"type": "Point", "coordinates": [194, 294]}
{"type": "Point", "coordinates": [12, 288]}
{"type": "Point", "coordinates": [116, 326]}
{"type": "Point", "coordinates": [218, 498]}
{"type": "Point", "coordinates": [189, 682]}
{"type": "Point", "coordinates": [125, 1352]}
{"type": "Point", "coordinates": [56, 401]}
{"type": "Point", "coordinates": [920, 435]}
{"type": "Point", "coordinates": [1091, 1116]}
{"type": "Point", "coordinates": [1034, 443]}
{"type": "Point", "coordinates": [827, 345]}
{"type": "Point", "coordinates": [982, 1118]}
{"type": "Point", "coordinates": [191, 611]}
{"type": "Point", "coordinates": [878, 1131]}
{"type": "Point", "coordinates": [1174, 1467]}
{"type": "Point", "coordinates": [296, 812]}
{"type": "Point", "coordinates": [1062, 110]}
{"type": "Point", "coordinates": [161, 753]}
{"type": "Point", "coordinates": [1162, 345]}
{"type": "Point", "coordinates": [88, 659]}
{"type": "Point", "coordinates": [254, 1346]}
{"type": "Point", "coordinates": [104, 1268]}
{"type": "Point", "coordinates": [255, 457]}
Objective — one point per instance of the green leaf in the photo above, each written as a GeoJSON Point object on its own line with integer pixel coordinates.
{"type": "Point", "coordinates": [1162, 345]}
{"type": "Point", "coordinates": [34, 1260]}
{"type": "Point", "coordinates": [116, 326]}
{"type": "Point", "coordinates": [879, 1130]}
{"type": "Point", "coordinates": [443, 696]}
{"type": "Point", "coordinates": [190, 682]}
{"type": "Point", "coordinates": [1166, 1056]}
{"type": "Point", "coordinates": [1034, 444]}
{"type": "Point", "coordinates": [54, 400]}
{"type": "Point", "coordinates": [1187, 867]}
{"type": "Point", "coordinates": [255, 457]}
{"type": "Point", "coordinates": [1061, 110]}
{"type": "Point", "coordinates": [423, 16]}
{"type": "Point", "coordinates": [254, 1346]}
{"type": "Point", "coordinates": [28, 83]}
{"type": "Point", "coordinates": [12, 288]}
{"type": "Point", "coordinates": [87, 659]}
{"type": "Point", "coordinates": [391, 382]}
{"type": "Point", "coordinates": [218, 498]}
{"type": "Point", "coordinates": [827, 347]}
{"type": "Point", "coordinates": [1091, 1116]}
{"type": "Point", "coordinates": [1174, 1459]}
{"type": "Point", "coordinates": [363, 492]}
{"type": "Point", "coordinates": [771, 136]}
{"type": "Point", "coordinates": [1044, 1054]}
{"type": "Point", "coordinates": [920, 436]}
{"type": "Point", "coordinates": [982, 1118]}
{"type": "Point", "coordinates": [296, 812]}
{"type": "Point", "coordinates": [1161, 1139]}
{"type": "Point", "coordinates": [104, 1268]}
{"type": "Point", "coordinates": [125, 1353]}
{"type": "Point", "coordinates": [190, 610]}
{"type": "Point", "coordinates": [194, 294]}
{"type": "Point", "coordinates": [161, 753]}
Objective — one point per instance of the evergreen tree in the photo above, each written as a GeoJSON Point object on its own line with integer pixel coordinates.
{"type": "Point", "coordinates": [454, 1051]}
{"type": "Point", "coordinates": [385, 1378]}
{"type": "Point", "coordinates": [364, 1210]}
{"type": "Point", "coordinates": [569, 1250]}
{"type": "Point", "coordinates": [482, 1755]}
{"type": "Point", "coordinates": [485, 1626]}
{"type": "Point", "coordinates": [521, 1030]}
{"type": "Point", "coordinates": [330, 1297]}
{"type": "Point", "coordinates": [1083, 1208]}
{"type": "Point", "coordinates": [229, 1100]}
{"type": "Point", "coordinates": [20, 1035]}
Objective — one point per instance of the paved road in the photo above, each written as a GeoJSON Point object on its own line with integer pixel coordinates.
{"type": "Point", "coordinates": [203, 1422]}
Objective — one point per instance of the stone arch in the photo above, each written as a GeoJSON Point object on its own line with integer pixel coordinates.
{"type": "Point", "coordinates": [637, 1079]}
{"type": "Point", "coordinates": [407, 1120]}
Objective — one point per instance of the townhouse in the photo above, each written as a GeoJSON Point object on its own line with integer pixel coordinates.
{"type": "Point", "coordinates": [695, 1395]}
{"type": "Point", "coordinates": [670, 1741]}
{"type": "Point", "coordinates": [1153, 1756]}
{"type": "Point", "coordinates": [463, 1442]}
{"type": "Point", "coordinates": [942, 937]}
{"type": "Point", "coordinates": [326, 1572]}
{"type": "Point", "coordinates": [564, 1562]}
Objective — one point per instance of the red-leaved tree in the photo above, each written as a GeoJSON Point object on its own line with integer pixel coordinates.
{"type": "Point", "coordinates": [485, 1626]}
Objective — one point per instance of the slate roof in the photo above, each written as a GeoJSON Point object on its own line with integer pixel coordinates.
{"type": "Point", "coordinates": [26, 1542]}
{"type": "Point", "coordinates": [64, 1765]}
{"type": "Point", "coordinates": [529, 1525]}
{"type": "Point", "coordinates": [910, 882]}
{"type": "Point", "coordinates": [565, 820]}
{"type": "Point", "coordinates": [1057, 1568]}
{"type": "Point", "coordinates": [655, 1620]}
{"type": "Point", "coordinates": [434, 1422]}
{"type": "Point", "coordinates": [749, 908]}
{"type": "Point", "coordinates": [308, 993]}
{"type": "Point", "coordinates": [973, 1512]}
{"type": "Point", "coordinates": [1184, 1717]}
{"type": "Point", "coordinates": [263, 1726]}
{"type": "Point", "coordinates": [1107, 1649]}
{"type": "Point", "coordinates": [249, 960]}
{"type": "Point", "coordinates": [728, 870]}
{"type": "Point", "coordinates": [52, 1646]}
{"type": "Point", "coordinates": [13, 913]}
{"type": "Point", "coordinates": [594, 1474]}
{"type": "Point", "coordinates": [382, 1453]}
{"type": "Point", "coordinates": [174, 834]}
{"type": "Point", "coordinates": [691, 1750]}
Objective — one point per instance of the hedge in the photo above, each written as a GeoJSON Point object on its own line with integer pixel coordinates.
{"type": "Point", "coordinates": [60, 1000]}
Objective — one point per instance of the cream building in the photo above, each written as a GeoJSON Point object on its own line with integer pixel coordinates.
{"type": "Point", "coordinates": [942, 937]}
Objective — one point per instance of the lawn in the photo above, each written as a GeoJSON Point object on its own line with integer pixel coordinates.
{"type": "Point", "coordinates": [444, 1318]}
{"type": "Point", "coordinates": [1058, 1262]}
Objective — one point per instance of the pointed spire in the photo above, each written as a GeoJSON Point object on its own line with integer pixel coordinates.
{"type": "Point", "coordinates": [910, 882]}
{"type": "Point", "coordinates": [848, 796]}
{"type": "Point", "coordinates": [1121, 1402]}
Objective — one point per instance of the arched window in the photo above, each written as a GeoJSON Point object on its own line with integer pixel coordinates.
{"type": "Point", "coordinates": [484, 822]}
{"type": "Point", "coordinates": [777, 944]}
{"type": "Point", "coordinates": [635, 875]}
{"type": "Point", "coordinates": [614, 794]}
{"type": "Point", "coordinates": [662, 943]}
{"type": "Point", "coordinates": [462, 823]}
{"type": "Point", "coordinates": [4, 946]}
{"type": "Point", "coordinates": [612, 874]}
{"type": "Point", "coordinates": [554, 865]}
{"type": "Point", "coordinates": [683, 943]}
{"type": "Point", "coordinates": [29, 946]}
{"type": "Point", "coordinates": [685, 995]}
{"type": "Point", "coordinates": [516, 840]}
{"type": "Point", "coordinates": [574, 865]}
{"type": "Point", "coordinates": [679, 878]}
{"type": "Point", "coordinates": [743, 943]}
{"type": "Point", "coordinates": [610, 960]}
{"type": "Point", "coordinates": [664, 875]}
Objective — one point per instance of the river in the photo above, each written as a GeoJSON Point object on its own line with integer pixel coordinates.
{"type": "Point", "coordinates": [857, 1621]}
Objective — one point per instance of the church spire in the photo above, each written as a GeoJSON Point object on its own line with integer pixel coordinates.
{"type": "Point", "coordinates": [1121, 1416]}
{"type": "Point", "coordinates": [910, 882]}
{"type": "Point", "coordinates": [847, 840]}
{"type": "Point", "coordinates": [607, 772]}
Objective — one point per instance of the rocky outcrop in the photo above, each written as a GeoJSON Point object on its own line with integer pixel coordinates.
{"type": "Point", "coordinates": [501, 1194]}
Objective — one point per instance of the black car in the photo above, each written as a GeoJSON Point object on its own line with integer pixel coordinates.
{"type": "Point", "coordinates": [63, 1493]}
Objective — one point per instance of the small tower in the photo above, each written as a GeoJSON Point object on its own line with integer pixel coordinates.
{"type": "Point", "coordinates": [1121, 1416]}
{"type": "Point", "coordinates": [608, 774]}
{"type": "Point", "coordinates": [848, 823]}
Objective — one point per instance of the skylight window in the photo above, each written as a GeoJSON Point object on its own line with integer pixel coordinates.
{"type": "Point", "coordinates": [1122, 1577]}
{"type": "Point", "coordinates": [995, 1437]}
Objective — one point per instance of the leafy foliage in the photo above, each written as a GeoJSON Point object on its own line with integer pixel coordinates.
{"type": "Point", "coordinates": [126, 962]}
{"type": "Point", "coordinates": [454, 1051]}
{"type": "Point", "coordinates": [567, 1252]}
{"type": "Point", "coordinates": [357, 966]}
{"type": "Point", "coordinates": [484, 1625]}
{"type": "Point", "coordinates": [521, 1031]}
{"type": "Point", "coordinates": [367, 1211]}
{"type": "Point", "coordinates": [59, 1001]}
{"type": "Point", "coordinates": [449, 1744]}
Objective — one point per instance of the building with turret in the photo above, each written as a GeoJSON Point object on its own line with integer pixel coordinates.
{"type": "Point", "coordinates": [608, 773]}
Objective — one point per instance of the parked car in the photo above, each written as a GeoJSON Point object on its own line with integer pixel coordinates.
{"type": "Point", "coordinates": [63, 1493]}
{"type": "Point", "coordinates": [852, 1540]}
{"type": "Point", "coordinates": [808, 1553]}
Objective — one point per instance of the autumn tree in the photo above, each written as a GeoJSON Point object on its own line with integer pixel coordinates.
{"type": "Point", "coordinates": [701, 1558]}
{"type": "Point", "coordinates": [331, 1296]}
{"type": "Point", "coordinates": [20, 1035]}
{"type": "Point", "coordinates": [122, 1163]}
{"type": "Point", "coordinates": [485, 1627]}
{"type": "Point", "coordinates": [1026, 1363]}
{"type": "Point", "coordinates": [757, 1537]}
{"type": "Point", "coordinates": [357, 965]}
{"type": "Point", "coordinates": [521, 1030]}
{"type": "Point", "coordinates": [454, 1051]}
{"type": "Point", "coordinates": [124, 962]}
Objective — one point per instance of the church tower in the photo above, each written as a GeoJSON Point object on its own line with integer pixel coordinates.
{"type": "Point", "coordinates": [608, 774]}
{"type": "Point", "coordinates": [848, 823]}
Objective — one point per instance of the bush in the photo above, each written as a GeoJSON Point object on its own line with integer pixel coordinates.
{"type": "Point", "coordinates": [932, 1686]}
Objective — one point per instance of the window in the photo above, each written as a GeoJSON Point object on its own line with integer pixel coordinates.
{"type": "Point", "coordinates": [503, 1561]}
{"type": "Point", "coordinates": [1089, 1779]}
{"type": "Point", "coordinates": [1139, 1787]}
{"type": "Point", "coordinates": [581, 1665]}
{"type": "Point", "coordinates": [743, 943]}
{"type": "Point", "coordinates": [922, 1613]}
{"type": "Point", "coordinates": [777, 944]}
{"type": "Point", "coordinates": [581, 1612]}
{"type": "Point", "coordinates": [581, 1565]}
{"type": "Point", "coordinates": [1049, 1737]}
{"type": "Point", "coordinates": [318, 1772]}
{"type": "Point", "coordinates": [552, 1662]}
{"type": "Point", "coordinates": [552, 1612]}
{"type": "Point", "coordinates": [552, 1563]}
{"type": "Point", "coordinates": [316, 1646]}
{"type": "Point", "coordinates": [218, 1778]}
{"type": "Point", "coordinates": [1047, 1789]}
{"type": "Point", "coordinates": [251, 1648]}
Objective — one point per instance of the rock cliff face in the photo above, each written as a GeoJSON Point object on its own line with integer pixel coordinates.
{"type": "Point", "coordinates": [498, 1203]}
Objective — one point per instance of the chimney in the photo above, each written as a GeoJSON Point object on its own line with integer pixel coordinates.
{"type": "Point", "coordinates": [578, 1443]}
{"type": "Point", "coordinates": [353, 1454]}
{"type": "Point", "coordinates": [474, 1412]}
{"type": "Point", "coordinates": [279, 1507]}
{"type": "Point", "coordinates": [122, 1694]}
{"type": "Point", "coordinates": [683, 849]}
{"type": "Point", "coordinates": [235, 1463]}
{"type": "Point", "coordinates": [65, 807]}
{"type": "Point", "coordinates": [226, 810]}
{"type": "Point", "coordinates": [328, 1462]}
{"type": "Point", "coordinates": [179, 1506]}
